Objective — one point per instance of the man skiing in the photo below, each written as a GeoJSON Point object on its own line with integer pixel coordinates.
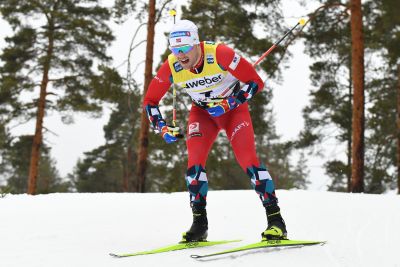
{"type": "Point", "coordinates": [206, 71]}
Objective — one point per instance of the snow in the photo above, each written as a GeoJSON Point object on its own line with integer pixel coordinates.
{"type": "Point", "coordinates": [81, 229]}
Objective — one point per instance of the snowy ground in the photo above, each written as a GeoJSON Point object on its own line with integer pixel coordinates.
{"type": "Point", "coordinates": [75, 230]}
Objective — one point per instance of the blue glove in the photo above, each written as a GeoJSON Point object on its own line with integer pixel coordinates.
{"type": "Point", "coordinates": [219, 108]}
{"type": "Point", "coordinates": [169, 133]}
{"type": "Point", "coordinates": [247, 92]}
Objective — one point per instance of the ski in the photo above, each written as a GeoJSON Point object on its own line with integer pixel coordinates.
{"type": "Point", "coordinates": [262, 244]}
{"type": "Point", "coordinates": [179, 246]}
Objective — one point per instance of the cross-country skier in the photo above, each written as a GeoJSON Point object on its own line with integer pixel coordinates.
{"type": "Point", "coordinates": [205, 70]}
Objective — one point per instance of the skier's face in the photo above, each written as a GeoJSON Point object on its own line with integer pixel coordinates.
{"type": "Point", "coordinates": [188, 56]}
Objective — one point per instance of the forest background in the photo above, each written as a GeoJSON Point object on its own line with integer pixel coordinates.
{"type": "Point", "coordinates": [56, 62]}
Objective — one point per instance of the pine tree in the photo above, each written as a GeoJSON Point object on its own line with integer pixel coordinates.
{"type": "Point", "coordinates": [358, 117]}
{"type": "Point", "coordinates": [141, 165]}
{"type": "Point", "coordinates": [122, 136]}
{"type": "Point", "coordinates": [17, 156]}
{"type": "Point", "coordinates": [53, 51]}
{"type": "Point", "coordinates": [398, 130]}
{"type": "Point", "coordinates": [110, 167]}
{"type": "Point", "coordinates": [5, 141]}
{"type": "Point", "coordinates": [328, 116]}
{"type": "Point", "coordinates": [329, 113]}
{"type": "Point", "coordinates": [383, 30]}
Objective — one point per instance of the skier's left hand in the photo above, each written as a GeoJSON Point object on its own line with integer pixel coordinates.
{"type": "Point", "coordinates": [219, 108]}
{"type": "Point", "coordinates": [247, 92]}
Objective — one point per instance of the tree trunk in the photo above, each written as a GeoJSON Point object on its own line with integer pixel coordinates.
{"type": "Point", "coordinates": [41, 107]}
{"type": "Point", "coordinates": [357, 47]}
{"type": "Point", "coordinates": [144, 126]}
{"type": "Point", "coordinates": [127, 169]}
{"type": "Point", "coordinates": [348, 170]}
{"type": "Point", "coordinates": [398, 130]}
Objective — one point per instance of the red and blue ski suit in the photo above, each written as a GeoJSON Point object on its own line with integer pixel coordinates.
{"type": "Point", "coordinates": [207, 81]}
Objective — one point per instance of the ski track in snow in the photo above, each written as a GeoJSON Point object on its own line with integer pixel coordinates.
{"type": "Point", "coordinates": [73, 230]}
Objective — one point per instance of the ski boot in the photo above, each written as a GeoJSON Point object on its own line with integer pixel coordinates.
{"type": "Point", "coordinates": [198, 230]}
{"type": "Point", "coordinates": [276, 229]}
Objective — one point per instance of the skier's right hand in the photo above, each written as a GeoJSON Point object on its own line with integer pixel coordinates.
{"type": "Point", "coordinates": [169, 133]}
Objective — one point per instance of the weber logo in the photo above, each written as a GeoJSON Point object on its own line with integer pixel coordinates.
{"type": "Point", "coordinates": [206, 81]}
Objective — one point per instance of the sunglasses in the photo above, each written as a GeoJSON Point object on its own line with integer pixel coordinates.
{"type": "Point", "coordinates": [181, 49]}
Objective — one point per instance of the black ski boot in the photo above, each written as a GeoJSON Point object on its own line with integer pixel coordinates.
{"type": "Point", "coordinates": [276, 229]}
{"type": "Point", "coordinates": [198, 230]}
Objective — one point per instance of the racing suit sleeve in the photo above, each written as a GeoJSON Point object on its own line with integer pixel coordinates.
{"type": "Point", "coordinates": [158, 87]}
{"type": "Point", "coordinates": [242, 70]}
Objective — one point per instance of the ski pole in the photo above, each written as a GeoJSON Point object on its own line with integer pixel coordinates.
{"type": "Point", "coordinates": [301, 22]}
{"type": "Point", "coordinates": [174, 129]}
{"type": "Point", "coordinates": [172, 12]}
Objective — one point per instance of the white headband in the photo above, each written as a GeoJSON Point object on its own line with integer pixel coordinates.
{"type": "Point", "coordinates": [184, 32]}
